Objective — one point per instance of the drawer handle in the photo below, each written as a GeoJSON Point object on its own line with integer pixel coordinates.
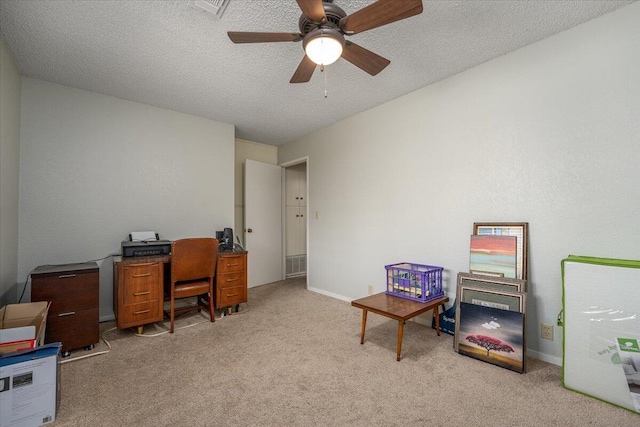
{"type": "Point", "coordinates": [142, 275]}
{"type": "Point", "coordinates": [142, 264]}
{"type": "Point", "coordinates": [232, 295]}
{"type": "Point", "coordinates": [142, 311]}
{"type": "Point", "coordinates": [232, 280]}
{"type": "Point", "coordinates": [232, 265]}
{"type": "Point", "coordinates": [68, 313]}
{"type": "Point", "coordinates": [137, 294]}
{"type": "Point", "coordinates": [66, 276]}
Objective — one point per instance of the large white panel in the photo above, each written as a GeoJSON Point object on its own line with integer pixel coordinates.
{"type": "Point", "coordinates": [601, 304]}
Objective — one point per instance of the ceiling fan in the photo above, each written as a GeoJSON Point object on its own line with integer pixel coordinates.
{"type": "Point", "coordinates": [323, 27]}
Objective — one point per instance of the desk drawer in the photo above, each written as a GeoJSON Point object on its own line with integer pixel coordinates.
{"type": "Point", "coordinates": [140, 274]}
{"type": "Point", "coordinates": [231, 263]}
{"type": "Point", "coordinates": [140, 314]}
{"type": "Point", "coordinates": [232, 295]}
{"type": "Point", "coordinates": [141, 286]}
{"type": "Point", "coordinates": [231, 279]}
{"type": "Point", "coordinates": [74, 329]}
{"type": "Point", "coordinates": [67, 291]}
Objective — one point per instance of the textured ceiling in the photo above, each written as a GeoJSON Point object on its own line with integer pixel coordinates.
{"type": "Point", "coordinates": [171, 55]}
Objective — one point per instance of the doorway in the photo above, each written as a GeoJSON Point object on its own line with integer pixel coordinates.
{"type": "Point", "coordinates": [295, 219]}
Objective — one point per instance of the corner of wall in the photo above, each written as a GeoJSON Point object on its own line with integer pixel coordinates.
{"type": "Point", "coordinates": [10, 106]}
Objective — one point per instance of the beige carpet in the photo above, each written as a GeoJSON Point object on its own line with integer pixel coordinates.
{"type": "Point", "coordinates": [293, 358]}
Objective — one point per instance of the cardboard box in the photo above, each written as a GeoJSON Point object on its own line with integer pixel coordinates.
{"type": "Point", "coordinates": [30, 386]}
{"type": "Point", "coordinates": [22, 325]}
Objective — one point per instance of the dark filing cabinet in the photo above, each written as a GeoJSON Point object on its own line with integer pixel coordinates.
{"type": "Point", "coordinates": [74, 293]}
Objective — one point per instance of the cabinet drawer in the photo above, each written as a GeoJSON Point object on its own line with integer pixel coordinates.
{"type": "Point", "coordinates": [232, 295]}
{"type": "Point", "coordinates": [73, 329]}
{"type": "Point", "coordinates": [231, 279]}
{"type": "Point", "coordinates": [141, 283]}
{"type": "Point", "coordinates": [67, 291]}
{"type": "Point", "coordinates": [139, 274]}
{"type": "Point", "coordinates": [141, 292]}
{"type": "Point", "coordinates": [140, 314]}
{"type": "Point", "coordinates": [231, 263]}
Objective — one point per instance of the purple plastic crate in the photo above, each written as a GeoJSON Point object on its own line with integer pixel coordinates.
{"type": "Point", "coordinates": [414, 281]}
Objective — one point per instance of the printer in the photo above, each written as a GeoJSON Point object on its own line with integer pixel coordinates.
{"type": "Point", "coordinates": [145, 243]}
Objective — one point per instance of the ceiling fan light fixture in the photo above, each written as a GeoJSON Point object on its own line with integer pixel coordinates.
{"type": "Point", "coordinates": [324, 45]}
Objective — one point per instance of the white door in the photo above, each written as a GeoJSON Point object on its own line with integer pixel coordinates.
{"type": "Point", "coordinates": [263, 222]}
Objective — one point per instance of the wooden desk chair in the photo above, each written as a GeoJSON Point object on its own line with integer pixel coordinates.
{"type": "Point", "coordinates": [193, 266]}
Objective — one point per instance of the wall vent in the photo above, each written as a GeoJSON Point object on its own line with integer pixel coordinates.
{"type": "Point", "coordinates": [214, 7]}
{"type": "Point", "coordinates": [296, 265]}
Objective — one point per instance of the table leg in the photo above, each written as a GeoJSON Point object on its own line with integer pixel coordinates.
{"type": "Point", "coordinates": [140, 329]}
{"type": "Point", "coordinates": [437, 317]}
{"type": "Point", "coordinates": [400, 332]}
{"type": "Point", "coordinates": [364, 325]}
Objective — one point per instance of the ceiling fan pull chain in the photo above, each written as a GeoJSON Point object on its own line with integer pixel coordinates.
{"type": "Point", "coordinates": [325, 80]}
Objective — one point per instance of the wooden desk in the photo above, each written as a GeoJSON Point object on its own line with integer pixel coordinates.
{"type": "Point", "coordinates": [230, 284]}
{"type": "Point", "coordinates": [400, 309]}
{"type": "Point", "coordinates": [138, 290]}
{"type": "Point", "coordinates": [138, 286]}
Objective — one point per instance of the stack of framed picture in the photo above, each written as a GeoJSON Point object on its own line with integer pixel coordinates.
{"type": "Point", "coordinates": [500, 249]}
{"type": "Point", "coordinates": [491, 299]}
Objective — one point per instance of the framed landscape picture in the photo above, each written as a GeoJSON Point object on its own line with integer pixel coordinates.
{"type": "Point", "coordinates": [518, 229]}
{"type": "Point", "coordinates": [492, 335]}
{"type": "Point", "coordinates": [495, 255]}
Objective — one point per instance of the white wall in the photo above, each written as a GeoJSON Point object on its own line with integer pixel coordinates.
{"type": "Point", "coordinates": [548, 135]}
{"type": "Point", "coordinates": [10, 98]}
{"type": "Point", "coordinates": [94, 168]}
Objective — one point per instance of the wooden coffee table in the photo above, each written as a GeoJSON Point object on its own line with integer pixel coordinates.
{"type": "Point", "coordinates": [400, 309]}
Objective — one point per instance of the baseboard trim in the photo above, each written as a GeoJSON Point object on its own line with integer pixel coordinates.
{"type": "Point", "coordinates": [545, 357]}
{"type": "Point", "coordinates": [329, 294]}
{"type": "Point", "coordinates": [108, 318]}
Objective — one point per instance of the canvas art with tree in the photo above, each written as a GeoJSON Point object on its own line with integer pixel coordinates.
{"type": "Point", "coordinates": [490, 343]}
{"type": "Point", "coordinates": [492, 335]}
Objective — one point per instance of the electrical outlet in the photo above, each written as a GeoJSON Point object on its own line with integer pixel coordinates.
{"type": "Point", "coordinates": [370, 289]}
{"type": "Point", "coordinates": [546, 331]}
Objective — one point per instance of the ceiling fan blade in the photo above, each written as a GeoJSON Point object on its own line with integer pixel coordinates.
{"type": "Point", "coordinates": [364, 59]}
{"type": "Point", "coordinates": [381, 13]}
{"type": "Point", "coordinates": [249, 37]}
{"type": "Point", "coordinates": [304, 71]}
{"type": "Point", "coordinates": [313, 9]}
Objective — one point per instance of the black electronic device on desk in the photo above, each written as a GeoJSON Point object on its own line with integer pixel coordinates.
{"type": "Point", "coordinates": [225, 239]}
{"type": "Point", "coordinates": [145, 243]}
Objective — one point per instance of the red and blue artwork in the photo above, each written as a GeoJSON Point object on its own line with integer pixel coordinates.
{"type": "Point", "coordinates": [494, 254]}
{"type": "Point", "coordinates": [492, 335]}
